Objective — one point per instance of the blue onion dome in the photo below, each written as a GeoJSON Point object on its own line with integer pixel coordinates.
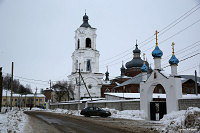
{"type": "Point", "coordinates": [157, 53]}
{"type": "Point", "coordinates": [144, 68]}
{"type": "Point", "coordinates": [173, 60]}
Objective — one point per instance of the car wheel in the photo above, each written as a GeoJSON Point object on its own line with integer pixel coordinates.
{"type": "Point", "coordinates": [104, 115]}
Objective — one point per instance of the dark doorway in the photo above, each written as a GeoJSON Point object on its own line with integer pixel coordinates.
{"type": "Point", "coordinates": [157, 110]}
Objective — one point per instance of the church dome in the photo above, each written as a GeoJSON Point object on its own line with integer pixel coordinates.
{"type": "Point", "coordinates": [85, 17]}
{"type": "Point", "coordinates": [173, 60]}
{"type": "Point", "coordinates": [85, 22]}
{"type": "Point", "coordinates": [144, 68]}
{"type": "Point", "coordinates": [157, 53]}
{"type": "Point", "coordinates": [135, 62]}
{"type": "Point", "coordinates": [136, 50]}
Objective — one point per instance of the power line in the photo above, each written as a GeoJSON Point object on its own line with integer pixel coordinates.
{"type": "Point", "coordinates": [37, 80]}
{"type": "Point", "coordinates": [185, 49]}
{"type": "Point", "coordinates": [183, 59]}
{"type": "Point", "coordinates": [188, 68]}
{"type": "Point", "coordinates": [163, 40]}
{"type": "Point", "coordinates": [181, 18]}
{"type": "Point", "coordinates": [32, 82]}
{"type": "Point", "coordinates": [181, 31]}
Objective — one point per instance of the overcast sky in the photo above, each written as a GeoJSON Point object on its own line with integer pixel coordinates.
{"type": "Point", "coordinates": [38, 35]}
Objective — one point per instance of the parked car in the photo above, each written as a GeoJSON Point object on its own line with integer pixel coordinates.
{"type": "Point", "coordinates": [95, 111]}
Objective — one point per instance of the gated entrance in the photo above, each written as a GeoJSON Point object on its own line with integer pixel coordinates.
{"type": "Point", "coordinates": [157, 110]}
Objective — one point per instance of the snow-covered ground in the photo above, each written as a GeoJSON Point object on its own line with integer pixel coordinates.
{"type": "Point", "coordinates": [126, 114]}
{"type": "Point", "coordinates": [12, 121]}
{"type": "Point", "coordinates": [175, 121]}
{"type": "Point", "coordinates": [15, 120]}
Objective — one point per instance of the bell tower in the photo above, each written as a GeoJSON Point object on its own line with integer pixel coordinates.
{"type": "Point", "coordinates": [86, 56]}
{"type": "Point", "coordinates": [85, 52]}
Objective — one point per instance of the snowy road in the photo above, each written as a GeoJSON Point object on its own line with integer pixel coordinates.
{"type": "Point", "coordinates": [77, 124]}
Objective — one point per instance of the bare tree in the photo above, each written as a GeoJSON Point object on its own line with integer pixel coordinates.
{"type": "Point", "coordinates": [62, 88]}
{"type": "Point", "coordinates": [19, 88]}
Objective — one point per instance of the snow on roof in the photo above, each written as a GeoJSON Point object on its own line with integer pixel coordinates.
{"type": "Point", "coordinates": [134, 95]}
{"type": "Point", "coordinates": [134, 80]}
{"type": "Point", "coordinates": [106, 82]}
{"type": "Point", "coordinates": [190, 96]}
{"type": "Point", "coordinates": [164, 74]}
{"type": "Point", "coordinates": [8, 93]}
{"type": "Point", "coordinates": [122, 77]}
{"type": "Point", "coordinates": [185, 78]}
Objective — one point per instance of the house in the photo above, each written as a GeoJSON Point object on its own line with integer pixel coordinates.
{"type": "Point", "coordinates": [22, 100]}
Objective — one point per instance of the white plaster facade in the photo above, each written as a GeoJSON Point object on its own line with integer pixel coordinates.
{"type": "Point", "coordinates": [87, 57]}
{"type": "Point", "coordinates": [172, 86]}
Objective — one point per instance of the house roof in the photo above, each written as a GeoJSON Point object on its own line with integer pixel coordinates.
{"type": "Point", "coordinates": [185, 78]}
{"type": "Point", "coordinates": [134, 95]}
{"type": "Point", "coordinates": [8, 93]}
{"type": "Point", "coordinates": [134, 80]}
{"type": "Point", "coordinates": [155, 95]}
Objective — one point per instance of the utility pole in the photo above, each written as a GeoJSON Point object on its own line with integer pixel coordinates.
{"type": "Point", "coordinates": [79, 83]}
{"type": "Point", "coordinates": [196, 85]}
{"type": "Point", "coordinates": [35, 97]}
{"type": "Point", "coordinates": [11, 99]}
{"type": "Point", "coordinates": [50, 90]}
{"type": "Point", "coordinates": [1, 87]}
{"type": "Point", "coordinates": [79, 86]}
{"type": "Point", "coordinates": [86, 87]}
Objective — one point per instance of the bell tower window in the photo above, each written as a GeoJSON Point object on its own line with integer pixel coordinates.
{"type": "Point", "coordinates": [78, 44]}
{"type": "Point", "coordinates": [88, 65]}
{"type": "Point", "coordinates": [88, 42]}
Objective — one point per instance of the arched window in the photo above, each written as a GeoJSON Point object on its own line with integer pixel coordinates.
{"type": "Point", "coordinates": [88, 42]}
{"type": "Point", "coordinates": [76, 65]}
{"type": "Point", "coordinates": [78, 44]}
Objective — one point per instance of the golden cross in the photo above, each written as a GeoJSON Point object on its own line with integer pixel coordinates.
{"type": "Point", "coordinates": [173, 48]}
{"type": "Point", "coordinates": [156, 37]}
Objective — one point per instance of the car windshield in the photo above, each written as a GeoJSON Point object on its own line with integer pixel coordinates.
{"type": "Point", "coordinates": [99, 108]}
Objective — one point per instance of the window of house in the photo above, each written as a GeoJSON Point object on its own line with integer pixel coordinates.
{"type": "Point", "coordinates": [107, 90]}
{"type": "Point", "coordinates": [88, 67]}
{"type": "Point", "coordinates": [15, 99]}
{"type": "Point", "coordinates": [36, 99]}
{"type": "Point", "coordinates": [78, 44]}
{"type": "Point", "coordinates": [4, 99]}
{"type": "Point", "coordinates": [40, 100]}
{"type": "Point", "coordinates": [88, 42]}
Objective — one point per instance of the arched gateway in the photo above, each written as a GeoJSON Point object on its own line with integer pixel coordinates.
{"type": "Point", "coordinates": [171, 84]}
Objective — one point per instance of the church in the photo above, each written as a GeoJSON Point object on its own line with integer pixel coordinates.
{"type": "Point", "coordinates": [86, 59]}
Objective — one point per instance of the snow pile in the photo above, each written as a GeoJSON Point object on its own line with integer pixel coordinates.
{"type": "Point", "coordinates": [12, 121]}
{"type": "Point", "coordinates": [127, 114]}
{"type": "Point", "coordinates": [178, 121]}
{"type": "Point", "coordinates": [192, 118]}
{"type": "Point", "coordinates": [64, 111]}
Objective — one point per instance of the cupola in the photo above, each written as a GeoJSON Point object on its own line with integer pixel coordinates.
{"type": "Point", "coordinates": [85, 22]}
{"type": "Point", "coordinates": [173, 60]}
{"type": "Point", "coordinates": [136, 61]}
